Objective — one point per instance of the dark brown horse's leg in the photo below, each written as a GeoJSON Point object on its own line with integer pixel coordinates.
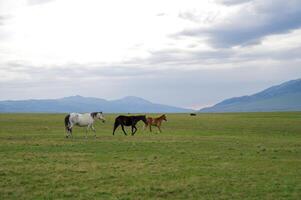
{"type": "Point", "coordinates": [132, 130]}
{"type": "Point", "coordinates": [134, 127]}
{"type": "Point", "coordinates": [115, 126]}
{"type": "Point", "coordinates": [123, 129]}
{"type": "Point", "coordinates": [150, 127]}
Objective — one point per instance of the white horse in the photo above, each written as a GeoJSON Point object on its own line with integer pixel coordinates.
{"type": "Point", "coordinates": [82, 120]}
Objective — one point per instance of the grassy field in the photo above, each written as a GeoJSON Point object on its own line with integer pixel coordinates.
{"type": "Point", "coordinates": [210, 156]}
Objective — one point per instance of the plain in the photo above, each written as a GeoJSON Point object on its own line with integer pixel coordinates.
{"type": "Point", "coordinates": [208, 156]}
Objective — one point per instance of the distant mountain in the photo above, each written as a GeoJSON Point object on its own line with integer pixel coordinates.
{"type": "Point", "coordinates": [129, 104]}
{"type": "Point", "coordinates": [283, 97]}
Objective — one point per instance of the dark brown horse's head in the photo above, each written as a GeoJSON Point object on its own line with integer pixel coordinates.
{"type": "Point", "coordinates": [143, 118]}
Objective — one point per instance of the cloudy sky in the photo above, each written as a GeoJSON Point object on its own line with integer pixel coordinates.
{"type": "Point", "coordinates": [187, 53]}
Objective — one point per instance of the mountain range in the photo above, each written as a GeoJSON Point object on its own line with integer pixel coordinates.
{"type": "Point", "coordinates": [283, 97]}
{"type": "Point", "coordinates": [78, 103]}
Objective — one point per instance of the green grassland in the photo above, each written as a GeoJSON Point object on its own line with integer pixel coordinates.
{"type": "Point", "coordinates": [210, 156]}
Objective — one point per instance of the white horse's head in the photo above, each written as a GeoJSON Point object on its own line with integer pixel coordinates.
{"type": "Point", "coordinates": [100, 116]}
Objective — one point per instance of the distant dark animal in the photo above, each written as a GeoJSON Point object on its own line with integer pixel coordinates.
{"type": "Point", "coordinates": [82, 120]}
{"type": "Point", "coordinates": [128, 121]}
{"type": "Point", "coordinates": [155, 122]}
{"type": "Point", "coordinates": [192, 114]}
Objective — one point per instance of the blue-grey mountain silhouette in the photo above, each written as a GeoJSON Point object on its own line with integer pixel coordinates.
{"type": "Point", "coordinates": [77, 103]}
{"type": "Point", "coordinates": [283, 97]}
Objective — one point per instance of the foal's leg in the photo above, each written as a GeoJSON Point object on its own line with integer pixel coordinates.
{"type": "Point", "coordinates": [159, 129]}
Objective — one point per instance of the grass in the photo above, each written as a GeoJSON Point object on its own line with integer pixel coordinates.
{"type": "Point", "coordinates": [210, 156]}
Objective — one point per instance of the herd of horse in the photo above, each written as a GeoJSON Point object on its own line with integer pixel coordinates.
{"type": "Point", "coordinates": [87, 120]}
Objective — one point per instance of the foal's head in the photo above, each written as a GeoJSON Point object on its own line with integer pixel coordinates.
{"type": "Point", "coordinates": [164, 117]}
{"type": "Point", "coordinates": [98, 115]}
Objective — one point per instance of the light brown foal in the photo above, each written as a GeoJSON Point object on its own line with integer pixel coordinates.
{"type": "Point", "coordinates": [155, 122]}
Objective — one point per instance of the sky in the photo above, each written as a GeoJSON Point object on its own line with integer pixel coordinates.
{"type": "Point", "coordinates": [186, 53]}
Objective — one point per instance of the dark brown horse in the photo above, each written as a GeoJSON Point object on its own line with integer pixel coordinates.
{"type": "Point", "coordinates": [128, 121]}
{"type": "Point", "coordinates": [155, 122]}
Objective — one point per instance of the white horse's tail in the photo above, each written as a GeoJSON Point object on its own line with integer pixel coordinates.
{"type": "Point", "coordinates": [67, 122]}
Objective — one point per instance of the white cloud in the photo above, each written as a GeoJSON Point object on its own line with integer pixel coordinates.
{"type": "Point", "coordinates": [96, 31]}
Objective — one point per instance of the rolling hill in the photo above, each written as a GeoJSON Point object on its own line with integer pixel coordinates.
{"type": "Point", "coordinates": [87, 104]}
{"type": "Point", "coordinates": [283, 97]}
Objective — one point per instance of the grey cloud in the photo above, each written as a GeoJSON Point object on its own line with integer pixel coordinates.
{"type": "Point", "coordinates": [178, 57]}
{"type": "Point", "coordinates": [5, 33]}
{"type": "Point", "coordinates": [76, 71]}
{"type": "Point", "coordinates": [252, 23]}
{"type": "Point", "coordinates": [201, 58]}
{"type": "Point", "coordinates": [277, 55]}
{"type": "Point", "coordinates": [1, 20]}
{"type": "Point", "coordinates": [4, 19]}
{"type": "Point", "coordinates": [38, 2]}
{"type": "Point", "coordinates": [199, 17]}
{"type": "Point", "coordinates": [232, 2]}
{"type": "Point", "coordinates": [161, 14]}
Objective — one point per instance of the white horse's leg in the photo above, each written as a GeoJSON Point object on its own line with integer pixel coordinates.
{"type": "Point", "coordinates": [87, 131]}
{"type": "Point", "coordinates": [67, 132]}
{"type": "Point", "coordinates": [70, 130]}
{"type": "Point", "coordinates": [93, 130]}
{"type": "Point", "coordinates": [67, 129]}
